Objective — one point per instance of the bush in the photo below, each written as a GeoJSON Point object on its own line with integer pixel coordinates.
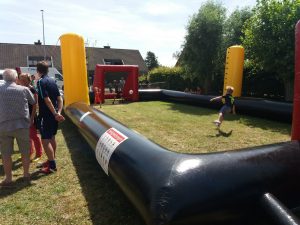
{"type": "Point", "coordinates": [259, 83]}
{"type": "Point", "coordinates": [143, 78]}
{"type": "Point", "coordinates": [169, 77]}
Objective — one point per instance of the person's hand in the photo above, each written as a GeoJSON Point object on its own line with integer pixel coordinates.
{"type": "Point", "coordinates": [59, 118]}
{"type": "Point", "coordinates": [31, 121]}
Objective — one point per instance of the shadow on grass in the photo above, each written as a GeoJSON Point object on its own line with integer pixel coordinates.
{"type": "Point", "coordinates": [106, 202]}
{"type": "Point", "coordinates": [264, 124]}
{"type": "Point", "coordinates": [220, 133]}
{"type": "Point", "coordinates": [16, 163]}
{"type": "Point", "coordinates": [15, 166]}
{"type": "Point", "coordinates": [19, 184]}
{"type": "Point", "coordinates": [223, 134]}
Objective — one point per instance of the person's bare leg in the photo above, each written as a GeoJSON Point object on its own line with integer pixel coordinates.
{"type": "Point", "coordinates": [7, 166]}
{"type": "Point", "coordinates": [23, 140]}
{"type": "Point", "coordinates": [48, 149]}
{"type": "Point", "coordinates": [54, 145]}
{"type": "Point", "coordinates": [26, 164]}
{"type": "Point", "coordinates": [220, 120]}
{"type": "Point", "coordinates": [221, 117]}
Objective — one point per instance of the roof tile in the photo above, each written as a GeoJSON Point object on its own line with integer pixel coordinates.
{"type": "Point", "coordinates": [15, 55]}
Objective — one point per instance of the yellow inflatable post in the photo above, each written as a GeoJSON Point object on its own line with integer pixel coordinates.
{"type": "Point", "coordinates": [234, 69]}
{"type": "Point", "coordinates": [74, 69]}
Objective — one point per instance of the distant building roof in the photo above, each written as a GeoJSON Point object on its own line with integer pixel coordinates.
{"type": "Point", "coordinates": [15, 55]}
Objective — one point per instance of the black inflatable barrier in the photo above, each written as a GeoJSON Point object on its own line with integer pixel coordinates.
{"type": "Point", "coordinates": [279, 111]}
{"type": "Point", "coordinates": [173, 188]}
{"type": "Point", "coordinates": [280, 214]}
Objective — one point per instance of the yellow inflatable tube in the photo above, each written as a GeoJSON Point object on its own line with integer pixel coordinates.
{"type": "Point", "coordinates": [234, 69]}
{"type": "Point", "coordinates": [74, 69]}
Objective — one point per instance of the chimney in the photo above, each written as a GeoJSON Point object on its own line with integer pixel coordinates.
{"type": "Point", "coordinates": [38, 43]}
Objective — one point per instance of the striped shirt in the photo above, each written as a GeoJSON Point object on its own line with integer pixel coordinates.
{"type": "Point", "coordinates": [14, 111]}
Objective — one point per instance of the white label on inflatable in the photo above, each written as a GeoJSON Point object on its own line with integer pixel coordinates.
{"type": "Point", "coordinates": [106, 145]}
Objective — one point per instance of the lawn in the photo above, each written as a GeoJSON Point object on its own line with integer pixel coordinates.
{"type": "Point", "coordinates": [189, 129]}
{"type": "Point", "coordinates": [81, 193]}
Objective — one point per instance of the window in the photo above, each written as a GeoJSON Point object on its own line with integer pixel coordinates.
{"type": "Point", "coordinates": [113, 62]}
{"type": "Point", "coordinates": [58, 77]}
{"type": "Point", "coordinates": [33, 60]}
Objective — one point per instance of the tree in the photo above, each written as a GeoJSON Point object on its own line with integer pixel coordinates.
{"type": "Point", "coordinates": [151, 60]}
{"type": "Point", "coordinates": [233, 28]}
{"type": "Point", "coordinates": [201, 51]}
{"type": "Point", "coordinates": [269, 39]}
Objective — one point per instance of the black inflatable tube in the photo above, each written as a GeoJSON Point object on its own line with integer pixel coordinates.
{"type": "Point", "coordinates": [172, 188]}
{"type": "Point", "coordinates": [279, 111]}
{"type": "Point", "coordinates": [280, 214]}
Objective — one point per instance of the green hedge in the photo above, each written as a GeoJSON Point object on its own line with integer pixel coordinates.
{"type": "Point", "coordinates": [171, 78]}
{"type": "Point", "coordinates": [256, 83]}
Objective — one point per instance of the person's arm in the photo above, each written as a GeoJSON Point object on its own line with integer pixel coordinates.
{"type": "Point", "coordinates": [216, 98]}
{"type": "Point", "coordinates": [50, 106]}
{"type": "Point", "coordinates": [59, 117]}
{"type": "Point", "coordinates": [32, 101]}
{"type": "Point", "coordinates": [29, 96]}
{"type": "Point", "coordinates": [34, 107]}
{"type": "Point", "coordinates": [59, 104]}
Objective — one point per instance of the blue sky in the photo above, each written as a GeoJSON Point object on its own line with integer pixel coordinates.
{"type": "Point", "coordinates": [153, 25]}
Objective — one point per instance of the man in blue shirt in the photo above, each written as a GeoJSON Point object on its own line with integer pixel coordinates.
{"type": "Point", "coordinates": [50, 107]}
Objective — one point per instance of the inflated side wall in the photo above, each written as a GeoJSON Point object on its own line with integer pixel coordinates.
{"type": "Point", "coordinates": [172, 188]}
{"type": "Point", "coordinates": [279, 111]}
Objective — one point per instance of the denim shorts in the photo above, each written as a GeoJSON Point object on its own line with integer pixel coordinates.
{"type": "Point", "coordinates": [225, 109]}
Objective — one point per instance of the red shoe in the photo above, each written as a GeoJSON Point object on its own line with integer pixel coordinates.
{"type": "Point", "coordinates": [48, 170]}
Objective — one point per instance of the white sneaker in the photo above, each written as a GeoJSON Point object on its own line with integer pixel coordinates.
{"type": "Point", "coordinates": [217, 123]}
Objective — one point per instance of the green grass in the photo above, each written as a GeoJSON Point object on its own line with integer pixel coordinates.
{"type": "Point", "coordinates": [81, 193]}
{"type": "Point", "coordinates": [189, 129]}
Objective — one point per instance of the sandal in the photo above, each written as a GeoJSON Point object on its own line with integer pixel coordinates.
{"type": "Point", "coordinates": [6, 184]}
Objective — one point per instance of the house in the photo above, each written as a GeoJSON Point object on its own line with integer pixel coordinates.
{"type": "Point", "coordinates": [18, 55]}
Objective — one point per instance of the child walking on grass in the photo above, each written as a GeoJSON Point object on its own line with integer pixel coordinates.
{"type": "Point", "coordinates": [228, 107]}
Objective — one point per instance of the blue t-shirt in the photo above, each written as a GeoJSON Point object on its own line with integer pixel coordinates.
{"type": "Point", "coordinates": [47, 87]}
{"type": "Point", "coordinates": [229, 100]}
